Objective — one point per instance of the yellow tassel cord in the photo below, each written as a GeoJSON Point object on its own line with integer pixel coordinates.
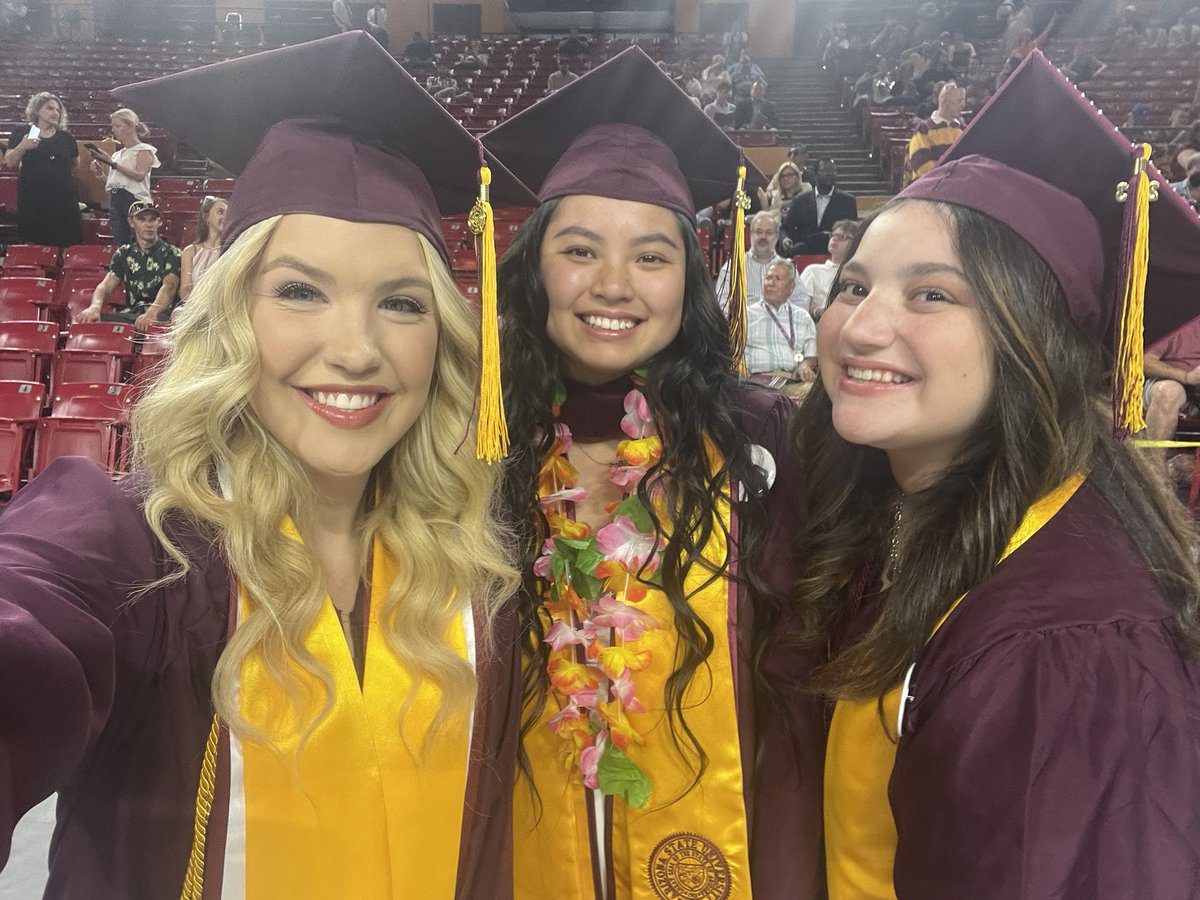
{"type": "Point", "coordinates": [737, 276]}
{"type": "Point", "coordinates": [193, 879]}
{"type": "Point", "coordinates": [1128, 373]}
{"type": "Point", "coordinates": [491, 436]}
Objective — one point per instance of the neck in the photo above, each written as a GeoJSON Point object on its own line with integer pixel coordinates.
{"type": "Point", "coordinates": [337, 509]}
{"type": "Point", "coordinates": [764, 256]}
{"type": "Point", "coordinates": [914, 472]}
{"type": "Point", "coordinates": [146, 245]}
{"type": "Point", "coordinates": [131, 142]}
{"type": "Point", "coordinates": [47, 129]}
{"type": "Point", "coordinates": [594, 412]}
{"type": "Point", "coordinates": [776, 303]}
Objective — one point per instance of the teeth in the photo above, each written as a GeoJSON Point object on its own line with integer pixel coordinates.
{"type": "Point", "coordinates": [344, 401]}
{"type": "Point", "coordinates": [609, 324]}
{"type": "Point", "coordinates": [881, 375]}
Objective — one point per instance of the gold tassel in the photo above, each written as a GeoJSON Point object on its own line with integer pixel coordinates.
{"type": "Point", "coordinates": [1128, 374]}
{"type": "Point", "coordinates": [491, 435]}
{"type": "Point", "coordinates": [737, 276]}
{"type": "Point", "coordinates": [193, 878]}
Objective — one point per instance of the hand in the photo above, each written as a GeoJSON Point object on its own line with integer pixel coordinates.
{"type": "Point", "coordinates": [91, 314]}
{"type": "Point", "coordinates": [28, 143]}
{"type": "Point", "coordinates": [1192, 377]}
{"type": "Point", "coordinates": [97, 169]}
{"type": "Point", "coordinates": [805, 371]}
{"type": "Point", "coordinates": [762, 198]}
{"type": "Point", "coordinates": [143, 322]}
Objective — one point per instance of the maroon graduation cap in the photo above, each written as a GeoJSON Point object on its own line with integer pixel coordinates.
{"type": "Point", "coordinates": [626, 131]}
{"type": "Point", "coordinates": [333, 127]}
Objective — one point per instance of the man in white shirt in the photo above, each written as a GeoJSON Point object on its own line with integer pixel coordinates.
{"type": "Point", "coordinates": [781, 338]}
{"type": "Point", "coordinates": [817, 279]}
{"type": "Point", "coordinates": [764, 233]}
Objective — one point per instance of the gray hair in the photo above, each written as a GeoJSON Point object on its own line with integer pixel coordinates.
{"type": "Point", "coordinates": [785, 264]}
{"type": "Point", "coordinates": [40, 99]}
{"type": "Point", "coordinates": [763, 216]}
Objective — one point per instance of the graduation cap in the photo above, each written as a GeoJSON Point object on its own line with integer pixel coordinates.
{"type": "Point", "coordinates": [333, 127]}
{"type": "Point", "coordinates": [626, 131]}
{"type": "Point", "coordinates": [1040, 158]}
{"type": "Point", "coordinates": [336, 127]}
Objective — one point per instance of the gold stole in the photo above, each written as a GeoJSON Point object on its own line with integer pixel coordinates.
{"type": "Point", "coordinates": [860, 833]}
{"type": "Point", "coordinates": [363, 811]}
{"type": "Point", "coordinates": [682, 843]}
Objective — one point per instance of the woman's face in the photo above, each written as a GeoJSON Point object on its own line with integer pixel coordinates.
{"type": "Point", "coordinates": [347, 332]}
{"type": "Point", "coordinates": [49, 115]}
{"type": "Point", "coordinates": [789, 180]}
{"type": "Point", "coordinates": [614, 272]}
{"type": "Point", "coordinates": [124, 131]}
{"type": "Point", "coordinates": [904, 353]}
{"type": "Point", "coordinates": [216, 217]}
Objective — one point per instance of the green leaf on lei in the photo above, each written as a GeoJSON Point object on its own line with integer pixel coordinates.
{"type": "Point", "coordinates": [560, 393]}
{"type": "Point", "coordinates": [635, 511]}
{"type": "Point", "coordinates": [620, 776]}
{"type": "Point", "coordinates": [574, 563]}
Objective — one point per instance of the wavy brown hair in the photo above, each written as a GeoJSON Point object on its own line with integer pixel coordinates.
{"type": "Point", "coordinates": [1048, 419]}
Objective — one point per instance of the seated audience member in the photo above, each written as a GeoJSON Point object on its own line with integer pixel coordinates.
{"type": "Point", "coordinates": [1185, 32]}
{"type": "Point", "coordinates": [1184, 144]}
{"type": "Point", "coordinates": [809, 221]}
{"type": "Point", "coordinates": [377, 24]}
{"type": "Point", "coordinates": [781, 338]}
{"type": "Point", "coordinates": [198, 257]}
{"type": "Point", "coordinates": [786, 185]}
{"type": "Point", "coordinates": [935, 134]}
{"type": "Point", "coordinates": [574, 44]}
{"type": "Point", "coordinates": [875, 88]}
{"type": "Point", "coordinates": [756, 111]}
{"type": "Point", "coordinates": [961, 52]}
{"type": "Point", "coordinates": [929, 22]}
{"type": "Point", "coordinates": [1155, 37]}
{"type": "Point", "coordinates": [816, 280]}
{"type": "Point", "coordinates": [692, 86]}
{"type": "Point", "coordinates": [722, 110]}
{"type": "Point", "coordinates": [1083, 66]}
{"type": "Point", "coordinates": [1172, 372]}
{"type": "Point", "coordinates": [764, 234]}
{"type": "Point", "coordinates": [799, 155]}
{"type": "Point", "coordinates": [1189, 186]}
{"type": "Point", "coordinates": [561, 77]}
{"type": "Point", "coordinates": [148, 267]}
{"type": "Point", "coordinates": [418, 50]}
{"type": "Point", "coordinates": [891, 40]}
{"type": "Point", "coordinates": [743, 73]}
{"type": "Point", "coordinates": [714, 74]}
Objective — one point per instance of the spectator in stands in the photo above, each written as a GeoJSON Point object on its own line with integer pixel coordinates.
{"type": "Point", "coordinates": [1184, 144]}
{"type": "Point", "coordinates": [781, 337]}
{"type": "Point", "coordinates": [1139, 115]}
{"type": "Point", "coordinates": [735, 40]}
{"type": "Point", "coordinates": [714, 74]}
{"type": "Point", "coordinates": [756, 111]}
{"type": "Point", "coordinates": [574, 44]}
{"type": "Point", "coordinates": [835, 48]}
{"type": "Point", "coordinates": [764, 235]}
{"type": "Point", "coordinates": [799, 156]}
{"type": "Point", "coordinates": [929, 22]}
{"type": "Point", "coordinates": [198, 257]}
{"type": "Point", "coordinates": [1172, 374]}
{"type": "Point", "coordinates": [342, 17]}
{"type": "Point", "coordinates": [892, 39]}
{"type": "Point", "coordinates": [692, 86]}
{"type": "Point", "coordinates": [1186, 32]}
{"type": "Point", "coordinates": [47, 198]}
{"type": "Point", "coordinates": [722, 110]}
{"type": "Point", "coordinates": [809, 222]}
{"type": "Point", "coordinates": [816, 280]}
{"type": "Point", "coordinates": [377, 24]}
{"type": "Point", "coordinates": [1083, 66]}
{"type": "Point", "coordinates": [274, 537]}
{"type": "Point", "coordinates": [1188, 187]}
{"type": "Point", "coordinates": [129, 168]}
{"type": "Point", "coordinates": [937, 72]}
{"type": "Point", "coordinates": [935, 134]}
{"type": "Point", "coordinates": [743, 73]}
{"type": "Point", "coordinates": [418, 51]}
{"type": "Point", "coordinates": [785, 186]}
{"type": "Point", "coordinates": [1155, 37]}
{"type": "Point", "coordinates": [561, 77]}
{"type": "Point", "coordinates": [876, 88]}
{"type": "Point", "coordinates": [856, 58]}
{"type": "Point", "coordinates": [961, 53]}
{"type": "Point", "coordinates": [147, 266]}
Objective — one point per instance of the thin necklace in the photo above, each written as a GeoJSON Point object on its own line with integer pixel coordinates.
{"type": "Point", "coordinates": [611, 462]}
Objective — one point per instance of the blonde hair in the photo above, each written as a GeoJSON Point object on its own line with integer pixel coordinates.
{"type": "Point", "coordinates": [129, 117]}
{"type": "Point", "coordinates": [40, 99]}
{"type": "Point", "coordinates": [433, 508]}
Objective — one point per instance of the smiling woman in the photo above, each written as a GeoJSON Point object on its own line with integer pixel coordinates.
{"type": "Point", "coordinates": [276, 659]}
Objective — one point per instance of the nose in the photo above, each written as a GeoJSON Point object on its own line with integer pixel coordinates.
{"type": "Point", "coordinates": [872, 324]}
{"type": "Point", "coordinates": [612, 283]}
{"type": "Point", "coordinates": [352, 342]}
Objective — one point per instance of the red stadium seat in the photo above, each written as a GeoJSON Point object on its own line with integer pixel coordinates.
{"type": "Point", "coordinates": [25, 349]}
{"type": "Point", "coordinates": [20, 405]}
{"type": "Point", "coordinates": [93, 352]}
{"type": "Point", "coordinates": [87, 256]}
{"type": "Point", "coordinates": [155, 350]}
{"type": "Point", "coordinates": [8, 195]}
{"type": "Point", "coordinates": [179, 203]}
{"type": "Point", "coordinates": [219, 187]}
{"type": "Point", "coordinates": [30, 255]}
{"type": "Point", "coordinates": [174, 185]}
{"type": "Point", "coordinates": [26, 272]}
{"type": "Point", "coordinates": [85, 420]}
{"type": "Point", "coordinates": [25, 298]}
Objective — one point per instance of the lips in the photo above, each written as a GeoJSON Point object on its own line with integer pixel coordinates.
{"type": "Point", "coordinates": [876, 376]}
{"type": "Point", "coordinates": [611, 324]}
{"type": "Point", "coordinates": [346, 408]}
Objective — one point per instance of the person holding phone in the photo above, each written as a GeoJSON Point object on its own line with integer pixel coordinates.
{"type": "Point", "coordinates": [126, 172]}
{"type": "Point", "coordinates": [46, 154]}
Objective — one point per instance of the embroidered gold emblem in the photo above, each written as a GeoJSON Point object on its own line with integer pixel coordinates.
{"type": "Point", "coordinates": [686, 866]}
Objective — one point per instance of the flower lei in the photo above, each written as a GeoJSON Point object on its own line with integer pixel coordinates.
{"type": "Point", "coordinates": [596, 582]}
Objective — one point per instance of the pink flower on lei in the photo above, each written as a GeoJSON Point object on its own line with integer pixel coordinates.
{"type": "Point", "coordinates": [637, 421]}
{"type": "Point", "coordinates": [631, 623]}
{"type": "Point", "coordinates": [622, 542]}
{"type": "Point", "coordinates": [589, 761]}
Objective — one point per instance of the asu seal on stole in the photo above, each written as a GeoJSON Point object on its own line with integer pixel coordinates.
{"type": "Point", "coordinates": [686, 866]}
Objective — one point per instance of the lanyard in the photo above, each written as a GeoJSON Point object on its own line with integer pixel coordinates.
{"type": "Point", "coordinates": [790, 334]}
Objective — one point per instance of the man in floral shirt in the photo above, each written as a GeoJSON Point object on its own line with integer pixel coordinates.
{"type": "Point", "coordinates": [147, 266]}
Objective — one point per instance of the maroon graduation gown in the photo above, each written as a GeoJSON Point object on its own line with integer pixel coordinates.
{"type": "Point", "coordinates": [106, 699]}
{"type": "Point", "coordinates": [1052, 746]}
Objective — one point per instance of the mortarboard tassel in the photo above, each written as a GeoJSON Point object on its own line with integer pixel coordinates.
{"type": "Point", "coordinates": [737, 276]}
{"type": "Point", "coordinates": [1128, 373]}
{"type": "Point", "coordinates": [491, 435]}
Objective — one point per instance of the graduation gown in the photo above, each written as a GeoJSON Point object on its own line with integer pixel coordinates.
{"type": "Point", "coordinates": [106, 699]}
{"type": "Point", "coordinates": [1051, 745]}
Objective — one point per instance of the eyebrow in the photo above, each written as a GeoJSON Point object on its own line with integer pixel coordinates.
{"type": "Point", "coordinates": [318, 274]}
{"type": "Point", "coordinates": [916, 269]}
{"type": "Point", "coordinates": [656, 238]}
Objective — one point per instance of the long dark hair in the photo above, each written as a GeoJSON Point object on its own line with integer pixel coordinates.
{"type": "Point", "coordinates": [1048, 419]}
{"type": "Point", "coordinates": [696, 365]}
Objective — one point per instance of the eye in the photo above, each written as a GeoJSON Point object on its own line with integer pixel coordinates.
{"type": "Point", "coordinates": [298, 290]}
{"type": "Point", "coordinates": [404, 304]}
{"type": "Point", "coordinates": [849, 290]}
{"type": "Point", "coordinates": [933, 295]}
{"type": "Point", "coordinates": [652, 258]}
{"type": "Point", "coordinates": [578, 252]}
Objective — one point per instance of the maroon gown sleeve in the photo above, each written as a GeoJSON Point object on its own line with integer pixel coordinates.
{"type": "Point", "coordinates": [1059, 763]}
{"type": "Point", "coordinates": [70, 546]}
{"type": "Point", "coordinates": [782, 725]}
